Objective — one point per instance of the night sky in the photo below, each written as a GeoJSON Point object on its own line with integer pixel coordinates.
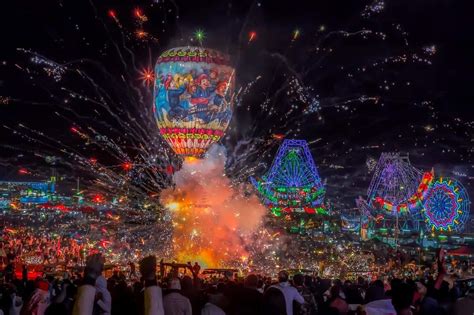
{"type": "Point", "coordinates": [358, 79]}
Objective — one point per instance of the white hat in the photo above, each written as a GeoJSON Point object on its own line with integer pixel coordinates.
{"type": "Point", "coordinates": [175, 284]}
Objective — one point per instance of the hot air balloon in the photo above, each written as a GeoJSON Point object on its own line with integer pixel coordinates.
{"type": "Point", "coordinates": [193, 96]}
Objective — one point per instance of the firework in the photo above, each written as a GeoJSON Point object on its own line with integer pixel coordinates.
{"type": "Point", "coordinates": [252, 36]}
{"type": "Point", "coordinates": [138, 13]}
{"type": "Point", "coordinates": [296, 35]}
{"type": "Point", "coordinates": [199, 35]}
{"type": "Point", "coordinates": [147, 76]}
{"type": "Point", "coordinates": [113, 15]}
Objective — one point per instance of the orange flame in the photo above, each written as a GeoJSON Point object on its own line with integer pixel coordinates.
{"type": "Point", "coordinates": [211, 218]}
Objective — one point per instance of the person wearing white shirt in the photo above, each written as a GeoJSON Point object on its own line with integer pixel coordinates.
{"type": "Point", "coordinates": [289, 292]}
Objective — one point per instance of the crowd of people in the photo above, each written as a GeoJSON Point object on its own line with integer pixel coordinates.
{"type": "Point", "coordinates": [44, 249]}
{"type": "Point", "coordinates": [174, 293]}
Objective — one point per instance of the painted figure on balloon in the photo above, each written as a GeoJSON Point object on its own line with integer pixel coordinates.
{"type": "Point", "coordinates": [203, 90]}
{"type": "Point", "coordinates": [214, 78]}
{"type": "Point", "coordinates": [200, 99]}
{"type": "Point", "coordinates": [174, 90]}
{"type": "Point", "coordinates": [219, 106]}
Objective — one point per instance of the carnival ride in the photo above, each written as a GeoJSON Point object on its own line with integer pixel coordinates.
{"type": "Point", "coordinates": [403, 200]}
{"type": "Point", "coordinates": [292, 187]}
{"type": "Point", "coordinates": [395, 196]}
{"type": "Point", "coordinates": [193, 98]}
{"type": "Point", "coordinates": [447, 206]}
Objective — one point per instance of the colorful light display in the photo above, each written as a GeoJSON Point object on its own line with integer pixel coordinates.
{"type": "Point", "coordinates": [395, 196]}
{"type": "Point", "coordinates": [292, 184]}
{"type": "Point", "coordinates": [414, 202]}
{"type": "Point", "coordinates": [193, 98]}
{"type": "Point", "coordinates": [397, 187]}
{"type": "Point", "coordinates": [28, 192]}
{"type": "Point", "coordinates": [447, 206]}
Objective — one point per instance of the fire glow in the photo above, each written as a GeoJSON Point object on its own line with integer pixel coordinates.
{"type": "Point", "coordinates": [212, 219]}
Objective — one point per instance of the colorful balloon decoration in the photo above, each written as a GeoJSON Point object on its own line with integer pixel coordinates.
{"type": "Point", "coordinates": [193, 98]}
{"type": "Point", "coordinates": [447, 206]}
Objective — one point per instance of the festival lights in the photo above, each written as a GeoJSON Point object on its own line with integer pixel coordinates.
{"type": "Point", "coordinates": [447, 206]}
{"type": "Point", "coordinates": [292, 185]}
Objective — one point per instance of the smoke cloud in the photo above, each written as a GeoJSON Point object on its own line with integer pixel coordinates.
{"type": "Point", "coordinates": [213, 220]}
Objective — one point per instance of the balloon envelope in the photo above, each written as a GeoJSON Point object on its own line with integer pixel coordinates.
{"type": "Point", "coordinates": [193, 98]}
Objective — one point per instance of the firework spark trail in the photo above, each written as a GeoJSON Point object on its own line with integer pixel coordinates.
{"type": "Point", "coordinates": [375, 7]}
{"type": "Point", "coordinates": [126, 66]}
{"type": "Point", "coordinates": [104, 105]}
{"type": "Point", "coordinates": [100, 92]}
{"type": "Point", "coordinates": [139, 135]}
{"type": "Point", "coordinates": [100, 171]}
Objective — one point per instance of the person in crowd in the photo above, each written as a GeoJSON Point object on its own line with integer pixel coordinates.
{"type": "Point", "coordinates": [426, 305]}
{"type": "Point", "coordinates": [274, 302]}
{"type": "Point", "coordinates": [84, 303]}
{"type": "Point", "coordinates": [375, 292]}
{"type": "Point", "coordinates": [465, 305]}
{"type": "Point", "coordinates": [115, 276]}
{"type": "Point", "coordinates": [402, 298]}
{"type": "Point", "coordinates": [16, 304]}
{"type": "Point", "coordinates": [309, 307]}
{"type": "Point", "coordinates": [335, 300]}
{"type": "Point", "coordinates": [83, 290]}
{"type": "Point", "coordinates": [214, 302]}
{"type": "Point", "coordinates": [174, 303]}
{"type": "Point", "coordinates": [196, 268]}
{"type": "Point", "coordinates": [191, 291]}
{"type": "Point", "coordinates": [246, 299]}
{"type": "Point", "coordinates": [39, 300]}
{"type": "Point", "coordinates": [153, 295]}
{"type": "Point", "coordinates": [103, 297]}
{"type": "Point", "coordinates": [289, 292]}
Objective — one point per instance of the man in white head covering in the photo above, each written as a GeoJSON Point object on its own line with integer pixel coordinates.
{"type": "Point", "coordinates": [174, 302]}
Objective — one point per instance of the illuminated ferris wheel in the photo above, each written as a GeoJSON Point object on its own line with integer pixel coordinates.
{"type": "Point", "coordinates": [447, 206]}
{"type": "Point", "coordinates": [397, 187]}
{"type": "Point", "coordinates": [395, 195]}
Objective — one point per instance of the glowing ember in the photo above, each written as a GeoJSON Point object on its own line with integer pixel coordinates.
{"type": "Point", "coordinates": [252, 36]}
{"type": "Point", "coordinates": [112, 14]}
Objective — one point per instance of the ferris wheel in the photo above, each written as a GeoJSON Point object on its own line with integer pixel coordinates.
{"type": "Point", "coordinates": [397, 187]}
{"type": "Point", "coordinates": [396, 194]}
{"type": "Point", "coordinates": [447, 206]}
